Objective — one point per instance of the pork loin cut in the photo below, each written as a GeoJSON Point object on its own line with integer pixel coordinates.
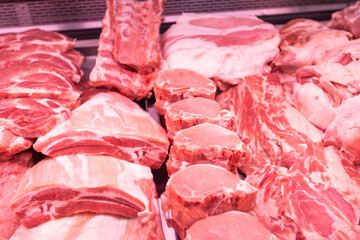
{"type": "Point", "coordinates": [203, 190]}
{"type": "Point", "coordinates": [173, 85]}
{"type": "Point", "coordinates": [224, 48]}
{"type": "Point", "coordinates": [32, 117]}
{"type": "Point", "coordinates": [10, 143]}
{"type": "Point", "coordinates": [137, 34]}
{"type": "Point", "coordinates": [208, 143]}
{"type": "Point", "coordinates": [344, 131]}
{"type": "Point", "coordinates": [10, 174]}
{"type": "Point", "coordinates": [233, 225]}
{"type": "Point", "coordinates": [193, 111]}
{"type": "Point", "coordinates": [71, 184]}
{"type": "Point", "coordinates": [109, 123]}
{"type": "Point", "coordinates": [347, 19]}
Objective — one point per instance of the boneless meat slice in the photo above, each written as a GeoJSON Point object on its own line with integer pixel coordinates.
{"type": "Point", "coordinates": [203, 190]}
{"type": "Point", "coordinates": [173, 85]}
{"type": "Point", "coordinates": [10, 143]}
{"type": "Point", "coordinates": [71, 184]}
{"type": "Point", "coordinates": [193, 111]}
{"type": "Point", "coordinates": [232, 225]}
{"type": "Point", "coordinates": [32, 117]}
{"type": "Point", "coordinates": [208, 143]}
{"type": "Point", "coordinates": [224, 48]}
{"type": "Point", "coordinates": [347, 19]}
{"type": "Point", "coordinates": [109, 123]}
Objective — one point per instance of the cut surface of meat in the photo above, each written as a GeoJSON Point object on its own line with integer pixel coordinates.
{"type": "Point", "coordinates": [173, 85]}
{"type": "Point", "coordinates": [10, 174]}
{"type": "Point", "coordinates": [109, 123]}
{"type": "Point", "coordinates": [108, 72]}
{"type": "Point", "coordinates": [215, 191]}
{"type": "Point", "coordinates": [10, 143]}
{"type": "Point", "coordinates": [232, 225]}
{"type": "Point", "coordinates": [32, 117]}
{"type": "Point", "coordinates": [224, 48]}
{"type": "Point", "coordinates": [193, 111]}
{"type": "Point", "coordinates": [137, 32]}
{"type": "Point", "coordinates": [71, 184]}
{"type": "Point", "coordinates": [210, 143]}
{"type": "Point", "coordinates": [347, 19]}
{"type": "Point", "coordinates": [344, 131]}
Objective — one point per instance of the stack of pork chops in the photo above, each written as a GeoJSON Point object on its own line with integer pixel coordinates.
{"type": "Point", "coordinates": [258, 138]}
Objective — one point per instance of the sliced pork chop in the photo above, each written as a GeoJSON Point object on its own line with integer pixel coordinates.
{"type": "Point", "coordinates": [224, 48]}
{"type": "Point", "coordinates": [173, 85]}
{"type": "Point", "coordinates": [209, 143]}
{"type": "Point", "coordinates": [10, 143]}
{"type": "Point", "coordinates": [347, 19]}
{"type": "Point", "coordinates": [203, 190]}
{"type": "Point", "coordinates": [71, 184]}
{"type": "Point", "coordinates": [233, 225]}
{"type": "Point", "coordinates": [109, 123]}
{"type": "Point", "coordinates": [10, 174]}
{"type": "Point", "coordinates": [193, 111]}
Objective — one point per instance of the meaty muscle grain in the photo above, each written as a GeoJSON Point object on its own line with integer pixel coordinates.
{"type": "Point", "coordinates": [111, 124]}
{"type": "Point", "coordinates": [347, 19]}
{"type": "Point", "coordinates": [203, 190]}
{"type": "Point", "coordinates": [173, 85]}
{"type": "Point", "coordinates": [10, 143]}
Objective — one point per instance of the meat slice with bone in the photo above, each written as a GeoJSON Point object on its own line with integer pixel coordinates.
{"type": "Point", "coordinates": [216, 190]}
{"type": "Point", "coordinates": [72, 184]}
{"type": "Point", "coordinates": [233, 225]}
{"type": "Point", "coordinates": [10, 174]}
{"type": "Point", "coordinates": [347, 19]}
{"type": "Point", "coordinates": [193, 111]}
{"type": "Point", "coordinates": [10, 143]}
{"type": "Point", "coordinates": [173, 85]}
{"type": "Point", "coordinates": [207, 143]}
{"type": "Point", "coordinates": [224, 48]}
{"type": "Point", "coordinates": [112, 74]}
{"type": "Point", "coordinates": [108, 123]}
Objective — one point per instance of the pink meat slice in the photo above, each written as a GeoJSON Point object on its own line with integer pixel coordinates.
{"type": "Point", "coordinates": [137, 34]}
{"type": "Point", "coordinates": [223, 48]}
{"type": "Point", "coordinates": [10, 143]}
{"type": "Point", "coordinates": [210, 143]}
{"type": "Point", "coordinates": [232, 225]}
{"type": "Point", "coordinates": [72, 184]}
{"type": "Point", "coordinates": [193, 111]}
{"type": "Point", "coordinates": [32, 117]}
{"type": "Point", "coordinates": [214, 191]}
{"type": "Point", "coordinates": [108, 72]}
{"type": "Point", "coordinates": [10, 174]}
{"type": "Point", "coordinates": [109, 123]}
{"type": "Point", "coordinates": [347, 19]}
{"type": "Point", "coordinates": [24, 78]}
{"type": "Point", "coordinates": [173, 85]}
{"type": "Point", "coordinates": [37, 37]}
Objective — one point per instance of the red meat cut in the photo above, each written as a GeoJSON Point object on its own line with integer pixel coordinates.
{"type": "Point", "coordinates": [347, 19]}
{"type": "Point", "coordinates": [203, 190]}
{"type": "Point", "coordinates": [10, 143]}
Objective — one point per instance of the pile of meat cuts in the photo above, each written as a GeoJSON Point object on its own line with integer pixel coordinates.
{"type": "Point", "coordinates": [259, 137]}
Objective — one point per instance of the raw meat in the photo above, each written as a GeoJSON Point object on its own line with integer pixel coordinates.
{"type": "Point", "coordinates": [274, 130]}
{"type": "Point", "coordinates": [304, 42]}
{"type": "Point", "coordinates": [10, 174]}
{"type": "Point", "coordinates": [89, 226]}
{"type": "Point", "coordinates": [233, 225]}
{"type": "Point", "coordinates": [137, 25]}
{"type": "Point", "coordinates": [108, 72]}
{"type": "Point", "coordinates": [110, 124]}
{"type": "Point", "coordinates": [224, 48]}
{"type": "Point", "coordinates": [10, 144]}
{"type": "Point", "coordinates": [71, 184]}
{"type": "Point", "coordinates": [37, 37]}
{"type": "Point", "coordinates": [208, 143]}
{"type": "Point", "coordinates": [173, 85]}
{"type": "Point", "coordinates": [347, 19]}
{"type": "Point", "coordinates": [344, 131]}
{"type": "Point", "coordinates": [214, 191]}
{"type": "Point", "coordinates": [32, 117]}
{"type": "Point", "coordinates": [193, 111]}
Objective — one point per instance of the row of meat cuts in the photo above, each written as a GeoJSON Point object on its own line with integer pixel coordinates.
{"type": "Point", "coordinates": [259, 135]}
